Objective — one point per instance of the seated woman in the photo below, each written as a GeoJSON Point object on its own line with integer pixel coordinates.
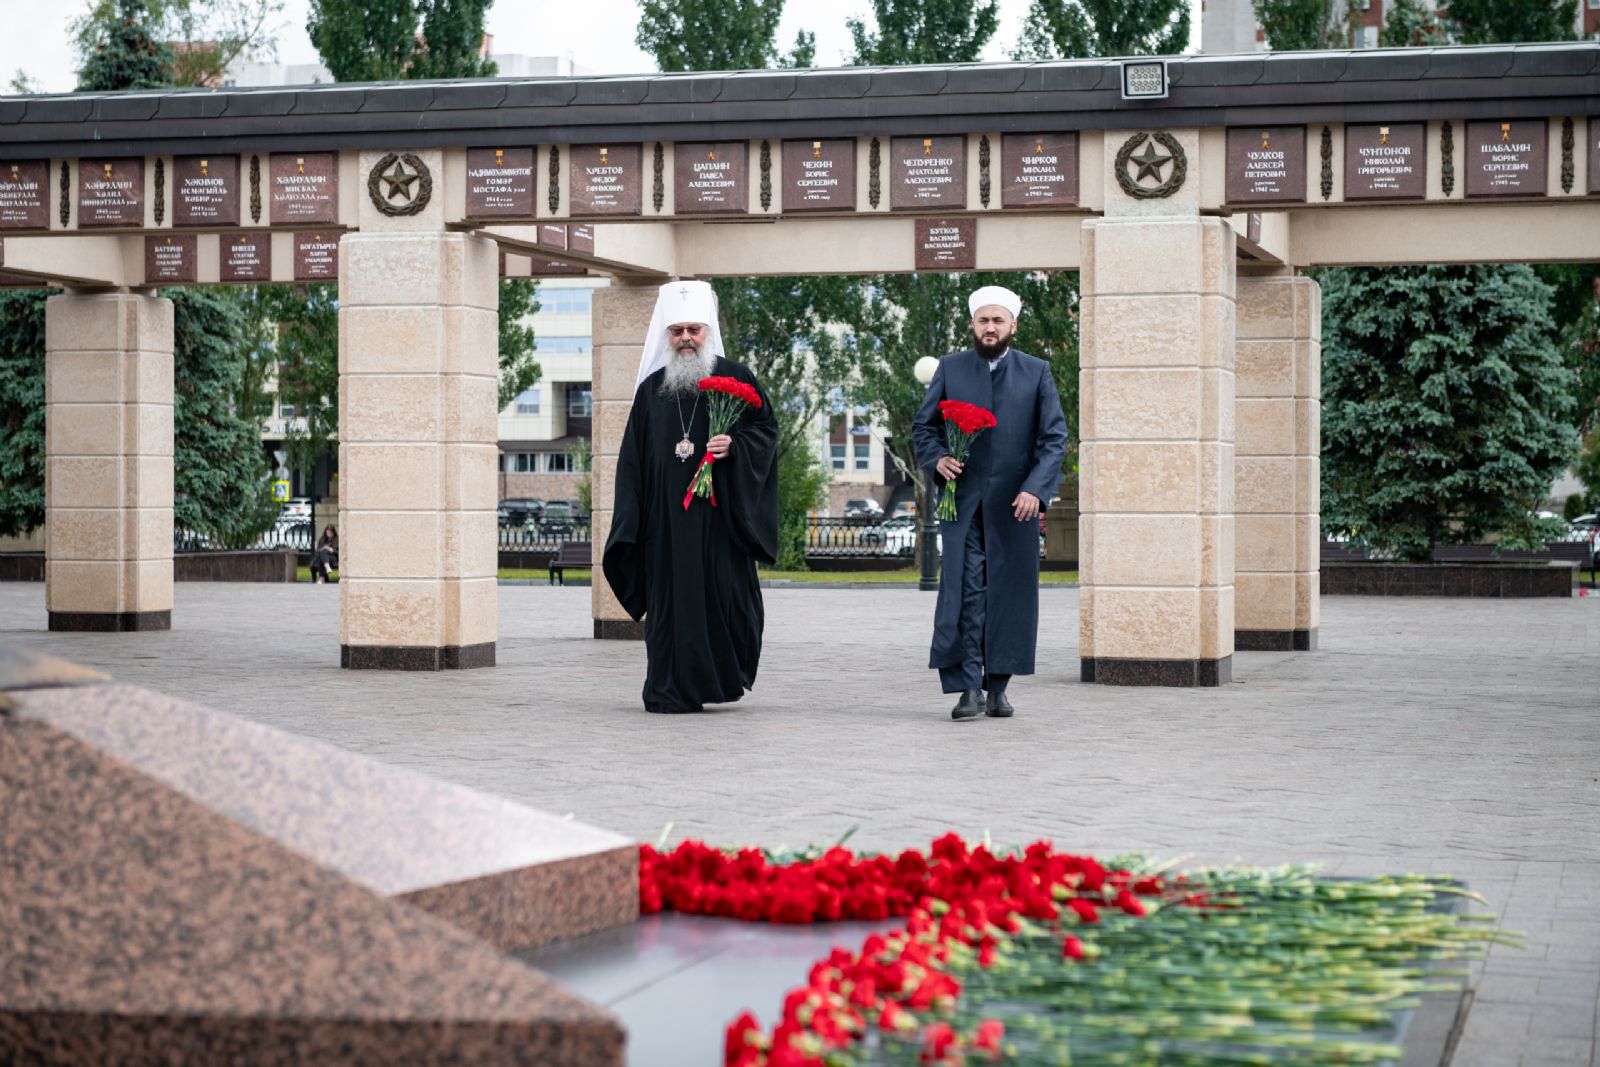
{"type": "Point", "coordinates": [326, 557]}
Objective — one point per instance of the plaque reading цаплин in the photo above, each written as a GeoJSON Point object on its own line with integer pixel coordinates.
{"type": "Point", "coordinates": [711, 178]}
{"type": "Point", "coordinates": [604, 180]}
{"type": "Point", "coordinates": [1039, 170]}
{"type": "Point", "coordinates": [316, 257]}
{"type": "Point", "coordinates": [303, 187]}
{"type": "Point", "coordinates": [24, 195]}
{"type": "Point", "coordinates": [1507, 158]}
{"type": "Point", "coordinates": [169, 259]}
{"type": "Point", "coordinates": [581, 239]}
{"type": "Point", "coordinates": [928, 172]}
{"type": "Point", "coordinates": [1386, 162]}
{"type": "Point", "coordinates": [246, 257]}
{"type": "Point", "coordinates": [111, 192]}
{"type": "Point", "coordinates": [205, 191]}
{"type": "Point", "coordinates": [1266, 164]}
{"type": "Point", "coordinates": [500, 183]}
{"type": "Point", "coordinates": [947, 244]}
{"type": "Point", "coordinates": [819, 175]}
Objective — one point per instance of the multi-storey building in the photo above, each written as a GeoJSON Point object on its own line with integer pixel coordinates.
{"type": "Point", "coordinates": [544, 432]}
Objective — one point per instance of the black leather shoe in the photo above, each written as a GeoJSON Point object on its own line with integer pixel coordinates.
{"type": "Point", "coordinates": [999, 707]}
{"type": "Point", "coordinates": [970, 705]}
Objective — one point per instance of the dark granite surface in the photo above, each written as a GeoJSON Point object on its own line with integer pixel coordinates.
{"type": "Point", "coordinates": [1167, 672]}
{"type": "Point", "coordinates": [407, 658]}
{"type": "Point", "coordinates": [110, 621]}
{"type": "Point", "coordinates": [1274, 640]}
{"type": "Point", "coordinates": [22, 668]}
{"type": "Point", "coordinates": [1551, 579]}
{"type": "Point", "coordinates": [618, 630]}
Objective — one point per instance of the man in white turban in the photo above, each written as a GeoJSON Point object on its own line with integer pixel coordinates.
{"type": "Point", "coordinates": [986, 623]}
{"type": "Point", "coordinates": [685, 564]}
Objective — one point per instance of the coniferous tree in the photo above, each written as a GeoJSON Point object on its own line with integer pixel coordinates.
{"type": "Point", "coordinates": [125, 53]}
{"type": "Point", "coordinates": [21, 411]}
{"type": "Point", "coordinates": [1070, 29]}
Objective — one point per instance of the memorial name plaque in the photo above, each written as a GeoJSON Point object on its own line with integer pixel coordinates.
{"type": "Point", "coordinates": [1506, 158]}
{"type": "Point", "coordinates": [928, 172]}
{"type": "Point", "coordinates": [169, 259]}
{"type": "Point", "coordinates": [542, 267]}
{"type": "Point", "coordinates": [304, 187]}
{"type": "Point", "coordinates": [500, 183]}
{"type": "Point", "coordinates": [246, 257]}
{"type": "Point", "coordinates": [316, 257]}
{"type": "Point", "coordinates": [552, 235]}
{"type": "Point", "coordinates": [1266, 164]}
{"type": "Point", "coordinates": [1594, 154]}
{"type": "Point", "coordinates": [111, 192]}
{"type": "Point", "coordinates": [947, 244]}
{"type": "Point", "coordinates": [24, 195]}
{"type": "Point", "coordinates": [711, 178]}
{"type": "Point", "coordinates": [604, 180]}
{"type": "Point", "coordinates": [581, 239]}
{"type": "Point", "coordinates": [205, 191]}
{"type": "Point", "coordinates": [1386, 162]}
{"type": "Point", "coordinates": [819, 175]}
{"type": "Point", "coordinates": [1039, 170]}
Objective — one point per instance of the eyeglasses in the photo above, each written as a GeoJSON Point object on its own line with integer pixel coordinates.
{"type": "Point", "coordinates": [693, 329]}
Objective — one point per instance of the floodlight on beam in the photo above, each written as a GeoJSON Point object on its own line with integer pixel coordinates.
{"type": "Point", "coordinates": [1144, 80]}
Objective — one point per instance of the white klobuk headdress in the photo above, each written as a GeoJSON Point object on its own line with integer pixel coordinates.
{"type": "Point", "coordinates": [679, 302]}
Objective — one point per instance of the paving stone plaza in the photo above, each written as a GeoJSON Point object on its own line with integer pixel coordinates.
{"type": "Point", "coordinates": [1426, 735]}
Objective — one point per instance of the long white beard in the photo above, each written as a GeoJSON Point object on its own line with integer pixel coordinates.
{"type": "Point", "coordinates": [685, 371]}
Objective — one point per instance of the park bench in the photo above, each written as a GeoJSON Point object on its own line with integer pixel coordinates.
{"type": "Point", "coordinates": [579, 554]}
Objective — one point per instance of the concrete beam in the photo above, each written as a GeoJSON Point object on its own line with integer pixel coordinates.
{"type": "Point", "coordinates": [629, 249]}
{"type": "Point", "coordinates": [98, 260]}
{"type": "Point", "coordinates": [1390, 235]}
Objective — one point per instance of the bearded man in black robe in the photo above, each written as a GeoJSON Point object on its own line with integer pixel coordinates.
{"type": "Point", "coordinates": [683, 564]}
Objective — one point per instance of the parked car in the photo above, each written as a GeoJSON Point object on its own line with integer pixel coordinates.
{"type": "Point", "coordinates": [863, 509]}
{"type": "Point", "coordinates": [517, 511]}
{"type": "Point", "coordinates": [906, 509]}
{"type": "Point", "coordinates": [900, 537]}
{"type": "Point", "coordinates": [298, 510]}
{"type": "Point", "coordinates": [558, 520]}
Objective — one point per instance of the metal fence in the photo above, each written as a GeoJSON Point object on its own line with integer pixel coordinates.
{"type": "Point", "coordinates": [861, 538]}
{"type": "Point", "coordinates": [542, 537]}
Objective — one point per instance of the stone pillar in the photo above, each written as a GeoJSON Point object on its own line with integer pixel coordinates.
{"type": "Point", "coordinates": [1277, 465]}
{"type": "Point", "coordinates": [108, 473]}
{"type": "Point", "coordinates": [621, 316]}
{"type": "Point", "coordinates": [1156, 463]}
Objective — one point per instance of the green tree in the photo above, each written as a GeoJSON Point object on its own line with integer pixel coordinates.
{"type": "Point", "coordinates": [122, 52]}
{"type": "Point", "coordinates": [21, 411]}
{"type": "Point", "coordinates": [686, 35]}
{"type": "Point", "coordinates": [1511, 21]}
{"type": "Point", "coordinates": [307, 324]}
{"type": "Point", "coordinates": [924, 31]}
{"type": "Point", "coordinates": [1588, 471]}
{"type": "Point", "coordinates": [1410, 25]}
{"type": "Point", "coordinates": [1446, 407]}
{"type": "Point", "coordinates": [1072, 29]}
{"type": "Point", "coordinates": [519, 369]}
{"type": "Point", "coordinates": [203, 36]}
{"type": "Point", "coordinates": [385, 40]}
{"type": "Point", "coordinates": [1298, 25]}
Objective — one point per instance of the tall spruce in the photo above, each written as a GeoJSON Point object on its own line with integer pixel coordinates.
{"type": "Point", "coordinates": [205, 35]}
{"type": "Point", "coordinates": [1065, 29]}
{"type": "Point", "coordinates": [122, 52]}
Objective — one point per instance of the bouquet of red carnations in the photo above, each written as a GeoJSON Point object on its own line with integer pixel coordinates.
{"type": "Point", "coordinates": [726, 399]}
{"type": "Point", "coordinates": [963, 422]}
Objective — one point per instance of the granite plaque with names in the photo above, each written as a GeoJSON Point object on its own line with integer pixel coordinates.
{"type": "Point", "coordinates": [711, 178]}
{"type": "Point", "coordinates": [1252, 227]}
{"type": "Point", "coordinates": [1386, 162]}
{"type": "Point", "coordinates": [1266, 164]}
{"type": "Point", "coordinates": [543, 267]}
{"type": "Point", "coordinates": [25, 195]}
{"type": "Point", "coordinates": [1507, 158]}
{"type": "Point", "coordinates": [246, 257]}
{"type": "Point", "coordinates": [205, 191]}
{"type": "Point", "coordinates": [604, 180]}
{"type": "Point", "coordinates": [819, 175]}
{"type": "Point", "coordinates": [947, 244]}
{"type": "Point", "coordinates": [169, 258]}
{"type": "Point", "coordinates": [553, 235]}
{"type": "Point", "coordinates": [1038, 170]}
{"type": "Point", "coordinates": [111, 192]}
{"type": "Point", "coordinates": [500, 183]}
{"type": "Point", "coordinates": [928, 172]}
{"type": "Point", "coordinates": [303, 187]}
{"type": "Point", "coordinates": [316, 257]}
{"type": "Point", "coordinates": [1594, 155]}
{"type": "Point", "coordinates": [581, 239]}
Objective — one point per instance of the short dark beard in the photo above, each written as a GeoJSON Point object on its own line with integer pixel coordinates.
{"type": "Point", "coordinates": [996, 350]}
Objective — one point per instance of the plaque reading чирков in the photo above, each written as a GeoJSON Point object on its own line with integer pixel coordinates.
{"type": "Point", "coordinates": [169, 258]}
{"type": "Point", "coordinates": [604, 180]}
{"type": "Point", "coordinates": [1507, 158]}
{"type": "Point", "coordinates": [1039, 170]}
{"type": "Point", "coordinates": [947, 244]}
{"type": "Point", "coordinates": [928, 172]}
{"type": "Point", "coordinates": [1266, 164]}
{"type": "Point", "coordinates": [316, 257]}
{"type": "Point", "coordinates": [710, 178]}
{"type": "Point", "coordinates": [500, 183]}
{"type": "Point", "coordinates": [24, 195]}
{"type": "Point", "coordinates": [111, 192]}
{"type": "Point", "coordinates": [819, 175]}
{"type": "Point", "coordinates": [304, 187]}
{"type": "Point", "coordinates": [205, 191]}
{"type": "Point", "coordinates": [246, 257]}
{"type": "Point", "coordinates": [1386, 162]}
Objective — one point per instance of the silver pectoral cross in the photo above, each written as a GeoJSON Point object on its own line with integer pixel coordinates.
{"type": "Point", "coordinates": [684, 449]}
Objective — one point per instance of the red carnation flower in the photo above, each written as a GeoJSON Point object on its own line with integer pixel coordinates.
{"type": "Point", "coordinates": [963, 422]}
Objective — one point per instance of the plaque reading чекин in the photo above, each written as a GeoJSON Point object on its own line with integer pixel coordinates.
{"type": "Point", "coordinates": [927, 172]}
{"type": "Point", "coordinates": [1386, 162]}
{"type": "Point", "coordinates": [947, 244]}
{"type": "Point", "coordinates": [581, 239]}
{"type": "Point", "coordinates": [1039, 170]}
{"type": "Point", "coordinates": [24, 195]}
{"type": "Point", "coordinates": [500, 183]}
{"type": "Point", "coordinates": [710, 178]}
{"type": "Point", "coordinates": [169, 259]}
{"type": "Point", "coordinates": [316, 257]}
{"type": "Point", "coordinates": [1507, 158]}
{"type": "Point", "coordinates": [205, 191]}
{"type": "Point", "coordinates": [303, 187]}
{"type": "Point", "coordinates": [246, 257]}
{"type": "Point", "coordinates": [819, 175]}
{"type": "Point", "coordinates": [604, 180]}
{"type": "Point", "coordinates": [1266, 164]}
{"type": "Point", "coordinates": [111, 192]}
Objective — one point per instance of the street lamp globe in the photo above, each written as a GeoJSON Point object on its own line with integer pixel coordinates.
{"type": "Point", "coordinates": [925, 368]}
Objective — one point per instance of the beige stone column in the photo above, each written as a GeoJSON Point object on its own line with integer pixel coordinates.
{"type": "Point", "coordinates": [621, 317]}
{"type": "Point", "coordinates": [108, 466]}
{"type": "Point", "coordinates": [1277, 466]}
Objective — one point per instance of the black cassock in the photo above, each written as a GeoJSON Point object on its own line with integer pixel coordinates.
{"type": "Point", "coordinates": [691, 573]}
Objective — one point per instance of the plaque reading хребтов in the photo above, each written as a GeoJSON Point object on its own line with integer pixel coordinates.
{"type": "Point", "coordinates": [1039, 170]}
{"type": "Point", "coordinates": [928, 172]}
{"type": "Point", "coordinates": [1386, 162]}
{"type": "Point", "coordinates": [947, 244]}
{"type": "Point", "coordinates": [1507, 158]}
{"type": "Point", "coordinates": [24, 195]}
{"type": "Point", "coordinates": [711, 178]}
{"type": "Point", "coordinates": [304, 187]}
{"type": "Point", "coordinates": [246, 257]}
{"type": "Point", "coordinates": [1266, 164]}
{"type": "Point", "coordinates": [500, 183]}
{"type": "Point", "coordinates": [111, 192]}
{"type": "Point", "coordinates": [316, 257]}
{"type": "Point", "coordinates": [205, 191]}
{"type": "Point", "coordinates": [169, 259]}
{"type": "Point", "coordinates": [819, 175]}
{"type": "Point", "coordinates": [604, 180]}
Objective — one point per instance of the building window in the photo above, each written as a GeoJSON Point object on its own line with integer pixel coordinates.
{"type": "Point", "coordinates": [863, 453]}
{"type": "Point", "coordinates": [563, 346]}
{"type": "Point", "coordinates": [836, 455]}
{"type": "Point", "coordinates": [286, 410]}
{"type": "Point", "coordinates": [566, 301]}
{"type": "Point", "coordinates": [525, 463]}
{"type": "Point", "coordinates": [558, 462]}
{"type": "Point", "coordinates": [580, 400]}
{"type": "Point", "coordinates": [528, 402]}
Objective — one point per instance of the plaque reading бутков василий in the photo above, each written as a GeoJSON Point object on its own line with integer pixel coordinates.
{"type": "Point", "coordinates": [947, 244]}
{"type": "Point", "coordinates": [710, 178]}
{"type": "Point", "coordinates": [205, 191]}
{"type": "Point", "coordinates": [303, 187]}
{"type": "Point", "coordinates": [316, 257]}
{"type": "Point", "coordinates": [819, 175]}
{"type": "Point", "coordinates": [604, 180]}
{"type": "Point", "coordinates": [169, 259]}
{"type": "Point", "coordinates": [1507, 158]}
{"type": "Point", "coordinates": [928, 172]}
{"type": "Point", "coordinates": [1386, 162]}
{"type": "Point", "coordinates": [246, 257]}
{"type": "Point", "coordinates": [500, 183]}
{"type": "Point", "coordinates": [1039, 170]}
{"type": "Point", "coordinates": [24, 195]}
{"type": "Point", "coordinates": [111, 192]}
{"type": "Point", "coordinates": [1266, 164]}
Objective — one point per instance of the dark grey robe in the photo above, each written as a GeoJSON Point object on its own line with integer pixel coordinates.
{"type": "Point", "coordinates": [1023, 453]}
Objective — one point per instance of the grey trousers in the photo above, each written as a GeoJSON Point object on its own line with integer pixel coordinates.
{"type": "Point", "coordinates": [974, 606]}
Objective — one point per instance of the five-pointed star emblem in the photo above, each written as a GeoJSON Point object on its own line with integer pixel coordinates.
{"type": "Point", "coordinates": [399, 181]}
{"type": "Point", "coordinates": [1150, 162]}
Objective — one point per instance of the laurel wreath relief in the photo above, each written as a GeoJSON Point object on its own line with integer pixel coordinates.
{"type": "Point", "coordinates": [1174, 180]}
